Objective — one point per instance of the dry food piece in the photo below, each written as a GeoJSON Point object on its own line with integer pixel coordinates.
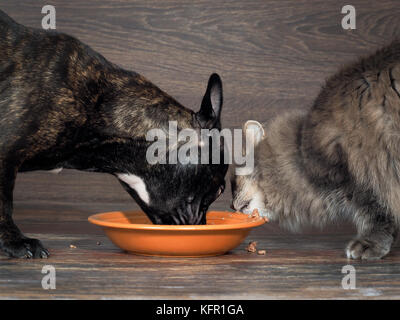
{"type": "Point", "coordinates": [252, 247]}
{"type": "Point", "coordinates": [255, 214]}
{"type": "Point", "coordinates": [72, 246]}
{"type": "Point", "coordinates": [262, 252]}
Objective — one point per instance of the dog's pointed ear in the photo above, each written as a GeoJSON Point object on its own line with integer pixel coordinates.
{"type": "Point", "coordinates": [210, 112]}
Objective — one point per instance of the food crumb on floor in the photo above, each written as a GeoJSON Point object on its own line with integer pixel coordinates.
{"type": "Point", "coordinates": [252, 246]}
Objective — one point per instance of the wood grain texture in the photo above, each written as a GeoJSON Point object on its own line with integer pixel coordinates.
{"type": "Point", "coordinates": [273, 56]}
{"type": "Point", "coordinates": [295, 266]}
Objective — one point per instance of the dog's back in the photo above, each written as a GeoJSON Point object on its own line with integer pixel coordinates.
{"type": "Point", "coordinates": [9, 32]}
{"type": "Point", "coordinates": [5, 21]}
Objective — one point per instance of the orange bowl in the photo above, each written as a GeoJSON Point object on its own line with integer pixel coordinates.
{"type": "Point", "coordinates": [135, 233]}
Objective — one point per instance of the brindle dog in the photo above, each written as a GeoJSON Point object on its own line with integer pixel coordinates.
{"type": "Point", "coordinates": [63, 105]}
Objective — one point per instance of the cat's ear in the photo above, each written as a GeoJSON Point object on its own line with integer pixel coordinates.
{"type": "Point", "coordinates": [253, 131]}
{"type": "Point", "coordinates": [210, 111]}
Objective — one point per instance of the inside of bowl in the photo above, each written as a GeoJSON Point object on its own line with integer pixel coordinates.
{"type": "Point", "coordinates": [132, 217]}
{"type": "Point", "coordinates": [213, 217]}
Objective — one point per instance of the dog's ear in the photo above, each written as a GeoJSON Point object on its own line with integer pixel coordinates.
{"type": "Point", "coordinates": [210, 111]}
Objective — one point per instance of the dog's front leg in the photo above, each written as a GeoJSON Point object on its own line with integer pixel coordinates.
{"type": "Point", "coordinates": [12, 242]}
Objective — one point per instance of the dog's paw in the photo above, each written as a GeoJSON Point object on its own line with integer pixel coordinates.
{"type": "Point", "coordinates": [25, 248]}
{"type": "Point", "coordinates": [365, 249]}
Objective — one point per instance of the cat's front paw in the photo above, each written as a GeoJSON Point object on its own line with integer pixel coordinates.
{"type": "Point", "coordinates": [365, 249]}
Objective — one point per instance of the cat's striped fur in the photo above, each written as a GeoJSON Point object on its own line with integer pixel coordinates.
{"type": "Point", "coordinates": [340, 159]}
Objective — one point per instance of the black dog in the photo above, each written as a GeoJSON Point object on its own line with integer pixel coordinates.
{"type": "Point", "coordinates": [65, 106]}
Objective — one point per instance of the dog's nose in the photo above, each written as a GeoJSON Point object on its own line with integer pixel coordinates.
{"type": "Point", "coordinates": [232, 206]}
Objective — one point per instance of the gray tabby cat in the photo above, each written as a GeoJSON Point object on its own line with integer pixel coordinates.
{"type": "Point", "coordinates": [339, 160]}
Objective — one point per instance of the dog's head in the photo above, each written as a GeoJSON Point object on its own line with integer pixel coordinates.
{"type": "Point", "coordinates": [178, 193]}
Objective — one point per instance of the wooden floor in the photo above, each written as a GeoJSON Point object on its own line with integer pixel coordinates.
{"type": "Point", "coordinates": [306, 266]}
{"type": "Point", "coordinates": [273, 56]}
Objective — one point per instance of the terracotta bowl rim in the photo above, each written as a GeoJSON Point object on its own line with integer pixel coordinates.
{"type": "Point", "coordinates": [100, 219]}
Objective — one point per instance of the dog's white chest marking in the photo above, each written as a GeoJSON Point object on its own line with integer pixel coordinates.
{"type": "Point", "coordinates": [137, 184]}
{"type": "Point", "coordinates": [56, 170]}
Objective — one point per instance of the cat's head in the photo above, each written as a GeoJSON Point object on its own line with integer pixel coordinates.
{"type": "Point", "coordinates": [247, 194]}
